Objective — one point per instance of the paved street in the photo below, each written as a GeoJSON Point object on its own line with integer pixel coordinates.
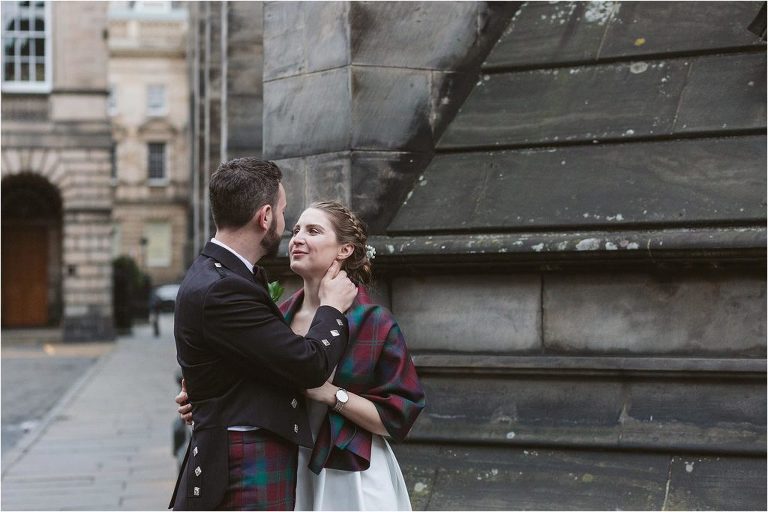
{"type": "Point", "coordinates": [105, 442]}
{"type": "Point", "coordinates": [34, 378]}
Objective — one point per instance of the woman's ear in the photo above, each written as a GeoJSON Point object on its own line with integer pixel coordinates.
{"type": "Point", "coordinates": [345, 252]}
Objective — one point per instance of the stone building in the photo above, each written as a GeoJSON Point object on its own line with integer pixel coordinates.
{"type": "Point", "coordinates": [149, 110]}
{"type": "Point", "coordinates": [226, 75]}
{"type": "Point", "coordinates": [567, 201]}
{"type": "Point", "coordinates": [56, 191]}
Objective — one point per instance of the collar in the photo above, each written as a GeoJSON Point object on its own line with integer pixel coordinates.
{"type": "Point", "coordinates": [247, 263]}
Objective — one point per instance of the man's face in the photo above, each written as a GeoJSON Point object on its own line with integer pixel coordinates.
{"type": "Point", "coordinates": [271, 241]}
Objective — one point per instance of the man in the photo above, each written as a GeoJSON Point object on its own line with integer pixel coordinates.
{"type": "Point", "coordinates": [242, 365]}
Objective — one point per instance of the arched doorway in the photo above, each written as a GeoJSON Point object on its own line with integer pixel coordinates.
{"type": "Point", "coordinates": [31, 251]}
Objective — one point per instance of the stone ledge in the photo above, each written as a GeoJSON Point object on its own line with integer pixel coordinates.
{"type": "Point", "coordinates": [659, 244]}
{"type": "Point", "coordinates": [436, 364]}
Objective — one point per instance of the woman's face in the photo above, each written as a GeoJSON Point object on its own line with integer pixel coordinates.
{"type": "Point", "coordinates": [314, 246]}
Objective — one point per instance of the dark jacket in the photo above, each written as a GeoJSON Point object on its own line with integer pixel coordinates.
{"type": "Point", "coordinates": [243, 365]}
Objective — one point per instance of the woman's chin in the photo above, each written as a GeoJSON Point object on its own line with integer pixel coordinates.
{"type": "Point", "coordinates": [300, 270]}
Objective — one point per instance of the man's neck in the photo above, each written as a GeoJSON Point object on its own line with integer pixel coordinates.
{"type": "Point", "coordinates": [242, 242]}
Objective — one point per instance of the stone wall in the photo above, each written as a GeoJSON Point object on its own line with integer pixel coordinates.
{"type": "Point", "coordinates": [353, 113]}
{"type": "Point", "coordinates": [65, 138]}
{"type": "Point", "coordinates": [578, 261]}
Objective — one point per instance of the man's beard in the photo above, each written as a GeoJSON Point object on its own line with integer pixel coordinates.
{"type": "Point", "coordinates": [271, 241]}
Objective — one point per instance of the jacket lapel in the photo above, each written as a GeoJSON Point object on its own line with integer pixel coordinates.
{"type": "Point", "coordinates": [226, 258]}
{"type": "Point", "coordinates": [233, 263]}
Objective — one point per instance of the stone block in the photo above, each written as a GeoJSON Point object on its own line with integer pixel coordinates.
{"type": "Point", "coordinates": [712, 403]}
{"type": "Point", "coordinates": [469, 313]}
{"type": "Point", "coordinates": [431, 35]}
{"type": "Point", "coordinates": [545, 33]}
{"type": "Point", "coordinates": [304, 37]}
{"type": "Point", "coordinates": [391, 109]}
{"type": "Point", "coordinates": [245, 124]}
{"type": "Point", "coordinates": [723, 93]}
{"type": "Point", "coordinates": [672, 182]}
{"type": "Point", "coordinates": [465, 477]}
{"type": "Point", "coordinates": [449, 90]}
{"type": "Point", "coordinates": [578, 103]}
{"type": "Point", "coordinates": [717, 483]}
{"type": "Point", "coordinates": [655, 314]}
{"type": "Point", "coordinates": [308, 114]}
{"type": "Point", "coordinates": [328, 177]}
{"type": "Point", "coordinates": [638, 28]}
{"type": "Point", "coordinates": [380, 180]}
{"type": "Point", "coordinates": [520, 408]}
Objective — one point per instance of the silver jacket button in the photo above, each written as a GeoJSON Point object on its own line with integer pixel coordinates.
{"type": "Point", "coordinates": [296, 428]}
{"type": "Point", "coordinates": [294, 403]}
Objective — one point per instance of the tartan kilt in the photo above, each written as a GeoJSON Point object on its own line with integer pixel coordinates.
{"type": "Point", "coordinates": [262, 472]}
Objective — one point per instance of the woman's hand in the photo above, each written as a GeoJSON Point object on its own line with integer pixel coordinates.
{"type": "Point", "coordinates": [185, 408]}
{"type": "Point", "coordinates": [325, 394]}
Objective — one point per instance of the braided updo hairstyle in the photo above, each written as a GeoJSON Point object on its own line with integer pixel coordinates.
{"type": "Point", "coordinates": [349, 230]}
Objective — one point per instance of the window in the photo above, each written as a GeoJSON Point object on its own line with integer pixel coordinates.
{"type": "Point", "coordinates": [155, 99]}
{"type": "Point", "coordinates": [26, 57]}
{"type": "Point", "coordinates": [151, 6]}
{"type": "Point", "coordinates": [156, 161]}
{"type": "Point", "coordinates": [113, 162]}
{"type": "Point", "coordinates": [112, 100]}
{"type": "Point", "coordinates": [158, 237]}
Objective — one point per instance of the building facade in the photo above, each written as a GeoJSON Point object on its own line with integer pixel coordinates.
{"type": "Point", "coordinates": [568, 203]}
{"type": "Point", "coordinates": [56, 191]}
{"type": "Point", "coordinates": [149, 111]}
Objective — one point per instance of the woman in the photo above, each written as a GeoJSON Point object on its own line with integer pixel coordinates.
{"type": "Point", "coordinates": [374, 392]}
{"type": "Point", "coordinates": [351, 466]}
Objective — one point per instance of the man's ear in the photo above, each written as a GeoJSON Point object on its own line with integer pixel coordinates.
{"type": "Point", "coordinates": [345, 252]}
{"type": "Point", "coordinates": [264, 216]}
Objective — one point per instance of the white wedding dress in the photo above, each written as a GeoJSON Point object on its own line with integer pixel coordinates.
{"type": "Point", "coordinates": [380, 487]}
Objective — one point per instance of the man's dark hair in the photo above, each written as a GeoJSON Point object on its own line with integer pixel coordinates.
{"type": "Point", "coordinates": [240, 187]}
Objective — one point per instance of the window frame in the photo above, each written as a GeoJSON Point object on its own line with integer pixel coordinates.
{"type": "Point", "coordinates": [163, 109]}
{"type": "Point", "coordinates": [157, 182]}
{"type": "Point", "coordinates": [29, 87]}
{"type": "Point", "coordinates": [167, 249]}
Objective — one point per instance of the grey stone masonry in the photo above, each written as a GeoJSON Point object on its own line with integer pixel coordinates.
{"type": "Point", "coordinates": [337, 84]}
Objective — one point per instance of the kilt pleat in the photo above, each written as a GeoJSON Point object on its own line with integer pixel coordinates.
{"type": "Point", "coordinates": [262, 472]}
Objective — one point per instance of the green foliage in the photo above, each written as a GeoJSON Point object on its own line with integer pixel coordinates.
{"type": "Point", "coordinates": [130, 292]}
{"type": "Point", "coordinates": [276, 290]}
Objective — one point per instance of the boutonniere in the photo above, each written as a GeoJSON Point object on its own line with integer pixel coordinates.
{"type": "Point", "coordinates": [275, 291]}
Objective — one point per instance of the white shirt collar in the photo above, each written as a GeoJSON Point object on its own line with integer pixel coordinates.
{"type": "Point", "coordinates": [248, 264]}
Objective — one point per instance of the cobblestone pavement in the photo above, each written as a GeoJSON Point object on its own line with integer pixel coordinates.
{"type": "Point", "coordinates": [106, 443]}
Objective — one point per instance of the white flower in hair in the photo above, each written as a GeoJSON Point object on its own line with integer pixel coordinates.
{"type": "Point", "coordinates": [370, 252]}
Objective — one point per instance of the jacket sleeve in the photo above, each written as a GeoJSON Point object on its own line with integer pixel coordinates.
{"type": "Point", "coordinates": [396, 392]}
{"type": "Point", "coordinates": [242, 327]}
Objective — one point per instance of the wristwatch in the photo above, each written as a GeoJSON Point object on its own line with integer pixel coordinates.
{"type": "Point", "coordinates": [341, 399]}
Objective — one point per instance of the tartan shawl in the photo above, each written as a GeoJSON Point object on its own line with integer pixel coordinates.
{"type": "Point", "coordinates": [376, 366]}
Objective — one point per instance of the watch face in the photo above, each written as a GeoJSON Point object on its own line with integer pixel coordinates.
{"type": "Point", "coordinates": [342, 396]}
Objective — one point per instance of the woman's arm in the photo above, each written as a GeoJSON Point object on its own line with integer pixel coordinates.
{"type": "Point", "coordinates": [358, 410]}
